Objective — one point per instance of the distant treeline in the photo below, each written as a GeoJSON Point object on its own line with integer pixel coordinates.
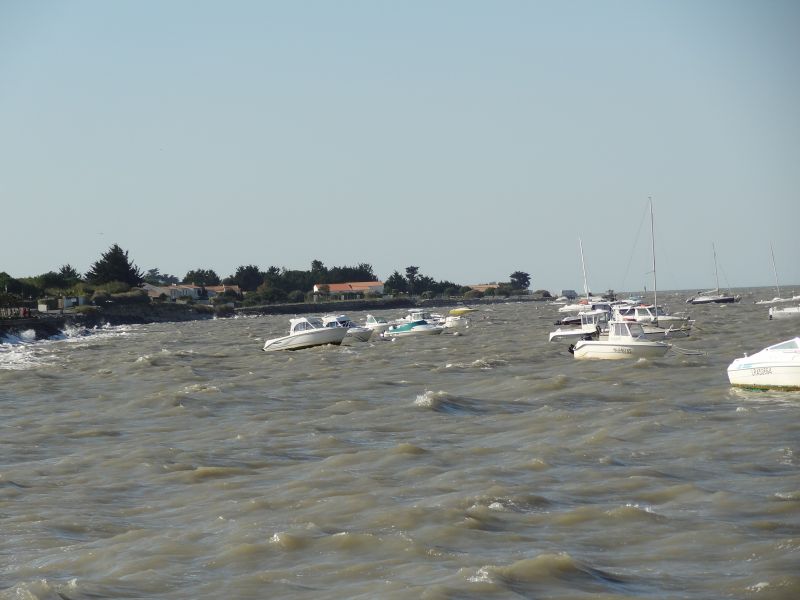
{"type": "Point", "coordinates": [115, 272]}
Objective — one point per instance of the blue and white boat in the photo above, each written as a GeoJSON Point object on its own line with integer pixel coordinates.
{"type": "Point", "coordinates": [420, 327]}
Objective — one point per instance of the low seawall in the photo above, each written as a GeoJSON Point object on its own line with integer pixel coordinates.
{"type": "Point", "coordinates": [46, 325]}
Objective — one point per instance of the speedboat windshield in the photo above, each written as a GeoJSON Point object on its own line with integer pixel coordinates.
{"type": "Point", "coordinates": [793, 344]}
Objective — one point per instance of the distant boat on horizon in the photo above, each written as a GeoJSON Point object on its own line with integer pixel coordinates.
{"type": "Point", "coordinates": [713, 296]}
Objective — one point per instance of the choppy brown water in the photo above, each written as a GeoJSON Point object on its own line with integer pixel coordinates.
{"type": "Point", "coordinates": [181, 461]}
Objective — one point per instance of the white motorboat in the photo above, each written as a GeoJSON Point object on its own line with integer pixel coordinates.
{"type": "Point", "coordinates": [648, 313]}
{"type": "Point", "coordinates": [457, 318]}
{"type": "Point", "coordinates": [460, 311]}
{"type": "Point", "coordinates": [421, 327]}
{"type": "Point", "coordinates": [419, 314]}
{"type": "Point", "coordinates": [774, 368]}
{"type": "Point", "coordinates": [305, 332]}
{"type": "Point", "coordinates": [625, 340]}
{"type": "Point", "coordinates": [657, 324]}
{"type": "Point", "coordinates": [356, 332]}
{"type": "Point", "coordinates": [787, 312]}
{"type": "Point", "coordinates": [377, 324]}
{"type": "Point", "coordinates": [593, 324]}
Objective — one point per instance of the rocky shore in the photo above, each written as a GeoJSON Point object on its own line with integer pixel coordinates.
{"type": "Point", "coordinates": [48, 324]}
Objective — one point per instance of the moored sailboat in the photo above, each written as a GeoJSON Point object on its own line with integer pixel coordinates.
{"type": "Point", "coordinates": [714, 296]}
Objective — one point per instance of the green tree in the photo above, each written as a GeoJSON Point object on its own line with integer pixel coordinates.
{"type": "Point", "coordinates": [520, 280]}
{"type": "Point", "coordinates": [202, 277]}
{"type": "Point", "coordinates": [70, 274]}
{"type": "Point", "coordinates": [156, 277]}
{"type": "Point", "coordinates": [504, 289]}
{"type": "Point", "coordinates": [411, 276]}
{"type": "Point", "coordinates": [248, 277]}
{"type": "Point", "coordinates": [50, 280]}
{"type": "Point", "coordinates": [396, 284]}
{"type": "Point", "coordinates": [114, 265]}
{"type": "Point", "coordinates": [319, 274]}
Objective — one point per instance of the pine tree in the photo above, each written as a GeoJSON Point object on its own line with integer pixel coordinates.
{"type": "Point", "coordinates": [115, 266]}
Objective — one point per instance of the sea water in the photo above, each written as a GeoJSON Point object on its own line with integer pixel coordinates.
{"type": "Point", "coordinates": [181, 461]}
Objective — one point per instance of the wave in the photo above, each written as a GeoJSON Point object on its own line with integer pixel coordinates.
{"type": "Point", "coordinates": [25, 350]}
{"type": "Point", "coordinates": [526, 576]}
{"type": "Point", "coordinates": [446, 403]}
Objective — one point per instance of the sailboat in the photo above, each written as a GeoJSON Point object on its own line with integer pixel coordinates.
{"type": "Point", "coordinates": [586, 302]}
{"type": "Point", "coordinates": [625, 339]}
{"type": "Point", "coordinates": [713, 296]}
{"type": "Point", "coordinates": [777, 298]}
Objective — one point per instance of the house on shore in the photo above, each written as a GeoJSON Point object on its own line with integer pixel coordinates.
{"type": "Point", "coordinates": [187, 291]}
{"type": "Point", "coordinates": [348, 291]}
{"type": "Point", "coordinates": [482, 287]}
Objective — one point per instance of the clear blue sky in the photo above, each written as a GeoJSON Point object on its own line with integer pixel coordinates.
{"type": "Point", "coordinates": [471, 139]}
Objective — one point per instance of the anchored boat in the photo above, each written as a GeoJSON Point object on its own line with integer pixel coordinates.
{"type": "Point", "coordinates": [773, 368]}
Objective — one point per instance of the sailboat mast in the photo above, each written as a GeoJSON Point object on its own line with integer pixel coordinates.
{"type": "Point", "coordinates": [774, 270]}
{"type": "Point", "coordinates": [653, 244]}
{"type": "Point", "coordinates": [583, 267]}
{"type": "Point", "coordinates": [716, 275]}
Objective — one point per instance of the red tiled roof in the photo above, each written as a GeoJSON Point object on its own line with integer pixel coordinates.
{"type": "Point", "coordinates": [355, 286]}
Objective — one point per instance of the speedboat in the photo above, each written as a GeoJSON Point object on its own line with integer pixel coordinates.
{"type": "Point", "coordinates": [460, 311]}
{"type": "Point", "coordinates": [377, 324]}
{"type": "Point", "coordinates": [457, 318]}
{"type": "Point", "coordinates": [419, 314]}
{"type": "Point", "coordinates": [362, 334]}
{"type": "Point", "coordinates": [786, 312]}
{"type": "Point", "coordinates": [582, 305]}
{"type": "Point", "coordinates": [305, 332]}
{"type": "Point", "coordinates": [647, 313]}
{"type": "Point", "coordinates": [656, 323]}
{"type": "Point", "coordinates": [625, 340]}
{"type": "Point", "coordinates": [421, 327]}
{"type": "Point", "coordinates": [592, 324]}
{"type": "Point", "coordinates": [774, 368]}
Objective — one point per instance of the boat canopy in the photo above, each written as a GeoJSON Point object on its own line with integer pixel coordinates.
{"type": "Point", "coordinates": [305, 323]}
{"type": "Point", "coordinates": [793, 344]}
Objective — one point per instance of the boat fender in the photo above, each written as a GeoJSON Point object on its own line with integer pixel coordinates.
{"type": "Point", "coordinates": [571, 349]}
{"type": "Point", "coordinates": [598, 330]}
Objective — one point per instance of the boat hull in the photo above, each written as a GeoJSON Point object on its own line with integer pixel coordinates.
{"type": "Point", "coordinates": [362, 334]}
{"type": "Point", "coordinates": [605, 350]}
{"type": "Point", "coordinates": [713, 300]}
{"type": "Point", "coordinates": [791, 312]}
{"type": "Point", "coordinates": [307, 339]}
{"type": "Point", "coordinates": [764, 376]}
{"type": "Point", "coordinates": [418, 330]}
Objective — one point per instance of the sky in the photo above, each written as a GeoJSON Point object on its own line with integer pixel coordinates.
{"type": "Point", "coordinates": [470, 139]}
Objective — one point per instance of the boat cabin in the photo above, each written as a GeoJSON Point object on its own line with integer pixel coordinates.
{"type": "Point", "coordinates": [593, 319]}
{"type": "Point", "coordinates": [301, 324]}
{"type": "Point", "coordinates": [337, 321]}
{"type": "Point", "coordinates": [792, 345]}
{"type": "Point", "coordinates": [625, 330]}
{"type": "Point", "coordinates": [646, 313]}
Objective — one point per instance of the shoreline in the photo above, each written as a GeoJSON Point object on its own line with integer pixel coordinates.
{"type": "Point", "coordinates": [48, 325]}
